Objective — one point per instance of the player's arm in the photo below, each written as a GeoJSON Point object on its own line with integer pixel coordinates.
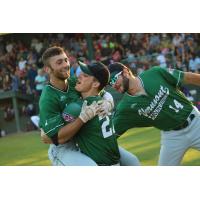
{"type": "Point", "coordinates": [64, 134]}
{"type": "Point", "coordinates": [191, 78]}
{"type": "Point", "coordinates": [50, 120]}
{"type": "Point", "coordinates": [86, 114]}
{"type": "Point", "coordinates": [69, 130]}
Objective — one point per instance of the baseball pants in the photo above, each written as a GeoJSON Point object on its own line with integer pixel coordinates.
{"type": "Point", "coordinates": [174, 144]}
{"type": "Point", "coordinates": [69, 155]}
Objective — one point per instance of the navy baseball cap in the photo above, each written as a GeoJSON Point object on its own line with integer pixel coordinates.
{"type": "Point", "coordinates": [98, 70]}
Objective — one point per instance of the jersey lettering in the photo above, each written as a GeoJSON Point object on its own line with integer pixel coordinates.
{"type": "Point", "coordinates": [155, 106]}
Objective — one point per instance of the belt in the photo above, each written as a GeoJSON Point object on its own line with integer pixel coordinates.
{"type": "Point", "coordinates": [117, 164]}
{"type": "Point", "coordinates": [186, 123]}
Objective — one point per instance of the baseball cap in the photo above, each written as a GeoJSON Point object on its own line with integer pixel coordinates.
{"type": "Point", "coordinates": [98, 70]}
{"type": "Point", "coordinates": [116, 70]}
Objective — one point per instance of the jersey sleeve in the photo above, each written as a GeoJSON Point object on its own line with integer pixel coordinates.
{"type": "Point", "coordinates": [120, 123]}
{"type": "Point", "coordinates": [108, 96]}
{"type": "Point", "coordinates": [50, 121]}
{"type": "Point", "coordinates": [71, 112]}
{"type": "Point", "coordinates": [173, 76]}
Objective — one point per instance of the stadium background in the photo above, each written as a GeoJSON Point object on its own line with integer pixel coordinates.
{"type": "Point", "coordinates": [20, 64]}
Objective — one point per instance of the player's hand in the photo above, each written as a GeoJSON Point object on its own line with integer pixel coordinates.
{"type": "Point", "coordinates": [88, 112]}
{"type": "Point", "coordinates": [131, 82]}
{"type": "Point", "coordinates": [127, 73]}
{"type": "Point", "coordinates": [105, 107]}
{"type": "Point", "coordinates": [45, 139]}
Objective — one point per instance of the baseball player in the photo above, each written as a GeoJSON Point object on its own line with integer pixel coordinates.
{"type": "Point", "coordinates": [95, 138]}
{"type": "Point", "coordinates": [56, 94]}
{"type": "Point", "coordinates": [154, 99]}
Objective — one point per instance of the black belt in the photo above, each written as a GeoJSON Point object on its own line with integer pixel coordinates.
{"type": "Point", "coordinates": [117, 164]}
{"type": "Point", "coordinates": [186, 123]}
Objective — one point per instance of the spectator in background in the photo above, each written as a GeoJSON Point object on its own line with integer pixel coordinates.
{"type": "Point", "coordinates": [154, 40]}
{"type": "Point", "coordinates": [197, 63]}
{"type": "Point", "coordinates": [192, 65]}
{"type": "Point", "coordinates": [177, 39]}
{"type": "Point", "coordinates": [15, 81]}
{"type": "Point", "coordinates": [22, 64]}
{"type": "Point", "coordinates": [31, 58]}
{"type": "Point", "coordinates": [31, 75]}
{"type": "Point", "coordinates": [75, 69]}
{"type": "Point", "coordinates": [9, 47]}
{"type": "Point", "coordinates": [23, 86]}
{"type": "Point", "coordinates": [40, 81]}
{"type": "Point", "coordinates": [131, 60]}
{"type": "Point", "coordinates": [191, 45]}
{"type": "Point", "coordinates": [125, 37]}
{"type": "Point", "coordinates": [30, 109]}
{"type": "Point", "coordinates": [36, 45]}
{"type": "Point", "coordinates": [8, 113]}
{"type": "Point", "coordinates": [161, 60]}
{"type": "Point", "coordinates": [7, 81]}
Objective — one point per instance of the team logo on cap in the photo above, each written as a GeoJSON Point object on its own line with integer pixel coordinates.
{"type": "Point", "coordinates": [115, 78]}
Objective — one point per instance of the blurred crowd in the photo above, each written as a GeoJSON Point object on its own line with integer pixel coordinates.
{"type": "Point", "coordinates": [21, 66]}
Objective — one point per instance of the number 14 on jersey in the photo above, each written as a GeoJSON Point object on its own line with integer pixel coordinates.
{"type": "Point", "coordinates": [177, 106]}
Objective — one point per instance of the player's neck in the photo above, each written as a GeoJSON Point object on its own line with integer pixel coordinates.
{"type": "Point", "coordinates": [135, 87]}
{"type": "Point", "coordinates": [60, 84]}
{"type": "Point", "coordinates": [89, 93]}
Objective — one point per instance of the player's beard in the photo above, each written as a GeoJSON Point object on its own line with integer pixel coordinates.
{"type": "Point", "coordinates": [59, 75]}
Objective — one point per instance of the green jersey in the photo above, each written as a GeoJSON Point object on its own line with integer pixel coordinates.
{"type": "Point", "coordinates": [51, 104]}
{"type": "Point", "coordinates": [164, 106]}
{"type": "Point", "coordinates": [95, 138]}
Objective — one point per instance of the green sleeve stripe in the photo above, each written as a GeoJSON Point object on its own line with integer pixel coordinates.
{"type": "Point", "coordinates": [54, 128]}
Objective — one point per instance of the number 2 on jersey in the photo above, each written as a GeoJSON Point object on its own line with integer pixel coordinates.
{"type": "Point", "coordinates": [178, 106]}
{"type": "Point", "coordinates": [105, 127]}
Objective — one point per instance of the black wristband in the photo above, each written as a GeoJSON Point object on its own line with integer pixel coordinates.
{"type": "Point", "coordinates": [54, 139]}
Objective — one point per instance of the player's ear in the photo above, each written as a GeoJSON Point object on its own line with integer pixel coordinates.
{"type": "Point", "coordinates": [96, 84]}
{"type": "Point", "coordinates": [46, 69]}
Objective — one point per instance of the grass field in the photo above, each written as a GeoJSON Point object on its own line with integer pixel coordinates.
{"type": "Point", "coordinates": [26, 149]}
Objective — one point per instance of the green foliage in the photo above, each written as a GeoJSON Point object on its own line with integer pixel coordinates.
{"type": "Point", "coordinates": [26, 149]}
